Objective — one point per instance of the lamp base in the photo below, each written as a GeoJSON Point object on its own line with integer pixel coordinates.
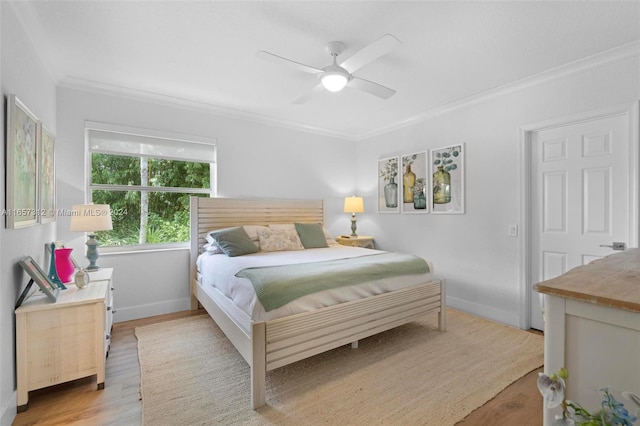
{"type": "Point", "coordinates": [92, 268]}
{"type": "Point", "coordinates": [353, 226]}
{"type": "Point", "coordinates": [92, 253]}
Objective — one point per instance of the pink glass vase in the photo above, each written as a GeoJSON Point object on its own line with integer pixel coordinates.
{"type": "Point", "coordinates": [64, 265]}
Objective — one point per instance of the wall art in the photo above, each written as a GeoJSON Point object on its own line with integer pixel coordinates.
{"type": "Point", "coordinates": [388, 185]}
{"type": "Point", "coordinates": [415, 180]}
{"type": "Point", "coordinates": [46, 176]}
{"type": "Point", "coordinates": [21, 182]}
{"type": "Point", "coordinates": [447, 180]}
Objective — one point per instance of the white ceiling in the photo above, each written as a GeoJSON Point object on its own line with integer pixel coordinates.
{"type": "Point", "coordinates": [203, 52]}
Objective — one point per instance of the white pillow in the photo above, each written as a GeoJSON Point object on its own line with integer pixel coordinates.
{"type": "Point", "coordinates": [331, 241]}
{"type": "Point", "coordinates": [210, 239]}
{"type": "Point", "coordinates": [252, 231]}
{"type": "Point", "coordinates": [279, 239]}
{"type": "Point", "coordinates": [211, 248]}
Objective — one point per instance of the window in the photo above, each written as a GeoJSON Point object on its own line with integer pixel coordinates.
{"type": "Point", "coordinates": [146, 178]}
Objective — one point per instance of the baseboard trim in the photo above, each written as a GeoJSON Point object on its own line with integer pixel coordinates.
{"type": "Point", "coordinates": [10, 410]}
{"type": "Point", "coordinates": [484, 311]}
{"type": "Point", "coordinates": [150, 310]}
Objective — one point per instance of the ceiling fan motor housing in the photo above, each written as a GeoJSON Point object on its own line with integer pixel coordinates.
{"type": "Point", "coordinates": [334, 77]}
{"type": "Point", "coordinates": [335, 48]}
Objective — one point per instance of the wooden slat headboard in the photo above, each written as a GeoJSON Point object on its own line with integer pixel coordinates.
{"type": "Point", "coordinates": [208, 214]}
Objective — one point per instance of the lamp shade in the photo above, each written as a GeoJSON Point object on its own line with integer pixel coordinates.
{"type": "Point", "coordinates": [91, 218]}
{"type": "Point", "coordinates": [353, 205]}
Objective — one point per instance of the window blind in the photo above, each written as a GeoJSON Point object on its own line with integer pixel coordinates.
{"type": "Point", "coordinates": [118, 140]}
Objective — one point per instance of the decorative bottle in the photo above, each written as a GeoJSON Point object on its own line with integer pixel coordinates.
{"type": "Point", "coordinates": [420, 201]}
{"type": "Point", "coordinates": [391, 193]}
{"type": "Point", "coordinates": [441, 186]}
{"type": "Point", "coordinates": [408, 180]}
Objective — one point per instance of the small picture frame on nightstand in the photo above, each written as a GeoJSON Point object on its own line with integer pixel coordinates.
{"type": "Point", "coordinates": [39, 277]}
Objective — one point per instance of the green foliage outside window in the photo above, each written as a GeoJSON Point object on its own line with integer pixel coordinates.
{"type": "Point", "coordinates": [163, 213]}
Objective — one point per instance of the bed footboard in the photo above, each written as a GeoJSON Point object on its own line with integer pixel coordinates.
{"type": "Point", "coordinates": [286, 340]}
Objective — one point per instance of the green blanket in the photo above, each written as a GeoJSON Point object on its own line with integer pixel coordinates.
{"type": "Point", "coordinates": [276, 286]}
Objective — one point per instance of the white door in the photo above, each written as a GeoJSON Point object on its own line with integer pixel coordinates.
{"type": "Point", "coordinates": [579, 197]}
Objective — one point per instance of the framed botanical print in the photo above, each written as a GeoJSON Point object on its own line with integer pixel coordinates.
{"type": "Point", "coordinates": [388, 185]}
{"type": "Point", "coordinates": [22, 166]}
{"type": "Point", "coordinates": [415, 179]}
{"type": "Point", "coordinates": [46, 176]}
{"type": "Point", "coordinates": [447, 180]}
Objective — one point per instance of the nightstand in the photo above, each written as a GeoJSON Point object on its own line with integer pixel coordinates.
{"type": "Point", "coordinates": [359, 241]}
{"type": "Point", "coordinates": [66, 340]}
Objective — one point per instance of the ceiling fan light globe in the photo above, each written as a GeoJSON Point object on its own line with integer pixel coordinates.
{"type": "Point", "coordinates": [334, 81]}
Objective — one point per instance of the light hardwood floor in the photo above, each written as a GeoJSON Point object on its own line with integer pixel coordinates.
{"type": "Point", "coordinates": [118, 404]}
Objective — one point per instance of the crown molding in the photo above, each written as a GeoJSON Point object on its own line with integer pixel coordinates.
{"type": "Point", "coordinates": [616, 54]}
{"type": "Point", "coordinates": [610, 56]}
{"type": "Point", "coordinates": [32, 26]}
{"type": "Point", "coordinates": [196, 106]}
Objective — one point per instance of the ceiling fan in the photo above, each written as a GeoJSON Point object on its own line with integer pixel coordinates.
{"type": "Point", "coordinates": [336, 76]}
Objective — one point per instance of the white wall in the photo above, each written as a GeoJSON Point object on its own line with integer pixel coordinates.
{"type": "Point", "coordinates": [473, 251]}
{"type": "Point", "coordinates": [254, 160]}
{"type": "Point", "coordinates": [24, 75]}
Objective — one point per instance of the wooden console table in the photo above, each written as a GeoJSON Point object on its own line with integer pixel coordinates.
{"type": "Point", "coordinates": [592, 328]}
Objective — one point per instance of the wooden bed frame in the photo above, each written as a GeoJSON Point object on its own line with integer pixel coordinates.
{"type": "Point", "coordinates": [275, 343]}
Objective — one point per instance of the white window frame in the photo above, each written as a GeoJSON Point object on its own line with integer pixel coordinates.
{"type": "Point", "coordinates": [165, 138]}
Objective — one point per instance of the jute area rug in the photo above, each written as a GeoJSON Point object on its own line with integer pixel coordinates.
{"type": "Point", "coordinates": [411, 375]}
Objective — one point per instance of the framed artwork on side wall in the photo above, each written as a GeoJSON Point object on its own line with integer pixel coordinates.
{"type": "Point", "coordinates": [21, 181]}
{"type": "Point", "coordinates": [46, 176]}
{"type": "Point", "coordinates": [447, 180]}
{"type": "Point", "coordinates": [415, 180]}
{"type": "Point", "coordinates": [388, 185]}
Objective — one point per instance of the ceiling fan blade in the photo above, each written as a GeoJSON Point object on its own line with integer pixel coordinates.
{"type": "Point", "coordinates": [369, 53]}
{"type": "Point", "coordinates": [310, 94]}
{"type": "Point", "coordinates": [371, 87]}
{"type": "Point", "coordinates": [279, 59]}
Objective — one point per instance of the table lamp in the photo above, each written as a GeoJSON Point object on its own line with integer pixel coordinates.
{"type": "Point", "coordinates": [353, 205]}
{"type": "Point", "coordinates": [91, 218]}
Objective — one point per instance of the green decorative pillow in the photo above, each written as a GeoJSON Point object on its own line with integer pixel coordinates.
{"type": "Point", "coordinates": [234, 241]}
{"type": "Point", "coordinates": [311, 235]}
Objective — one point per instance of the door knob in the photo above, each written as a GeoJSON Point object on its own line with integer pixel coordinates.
{"type": "Point", "coordinates": [615, 246]}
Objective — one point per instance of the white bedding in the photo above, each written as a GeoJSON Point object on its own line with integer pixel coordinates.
{"type": "Point", "coordinates": [219, 271]}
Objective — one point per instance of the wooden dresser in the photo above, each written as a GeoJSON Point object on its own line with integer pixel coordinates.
{"type": "Point", "coordinates": [592, 328]}
{"type": "Point", "coordinates": [66, 340]}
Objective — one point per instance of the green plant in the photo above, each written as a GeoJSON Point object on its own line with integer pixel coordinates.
{"type": "Point", "coordinates": [408, 160]}
{"type": "Point", "coordinates": [390, 170]}
{"type": "Point", "coordinates": [612, 412]}
{"type": "Point", "coordinates": [446, 158]}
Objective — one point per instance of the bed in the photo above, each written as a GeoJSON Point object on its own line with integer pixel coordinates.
{"type": "Point", "coordinates": [268, 341]}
